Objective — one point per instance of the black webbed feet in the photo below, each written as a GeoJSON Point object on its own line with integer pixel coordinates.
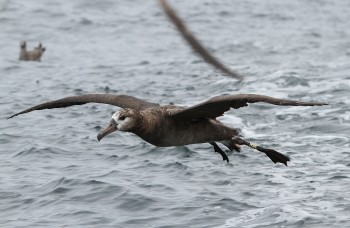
{"type": "Point", "coordinates": [272, 154]}
{"type": "Point", "coordinates": [221, 152]}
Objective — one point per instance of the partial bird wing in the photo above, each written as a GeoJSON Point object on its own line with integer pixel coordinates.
{"type": "Point", "coordinates": [122, 101]}
{"type": "Point", "coordinates": [216, 106]}
{"type": "Point", "coordinates": [194, 42]}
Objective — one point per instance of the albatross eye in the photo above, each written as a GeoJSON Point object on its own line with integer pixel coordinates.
{"type": "Point", "coordinates": [122, 117]}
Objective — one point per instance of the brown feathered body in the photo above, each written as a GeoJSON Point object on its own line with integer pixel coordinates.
{"type": "Point", "coordinates": [155, 126]}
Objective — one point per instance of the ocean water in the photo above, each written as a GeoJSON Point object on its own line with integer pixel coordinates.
{"type": "Point", "coordinates": [54, 173]}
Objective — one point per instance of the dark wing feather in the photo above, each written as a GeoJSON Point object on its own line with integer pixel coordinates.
{"type": "Point", "coordinates": [216, 106]}
{"type": "Point", "coordinates": [194, 43]}
{"type": "Point", "coordinates": [122, 101]}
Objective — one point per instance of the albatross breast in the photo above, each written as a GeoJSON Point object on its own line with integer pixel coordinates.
{"type": "Point", "coordinates": [159, 129]}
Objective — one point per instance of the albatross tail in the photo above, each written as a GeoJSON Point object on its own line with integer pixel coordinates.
{"type": "Point", "coordinates": [272, 154]}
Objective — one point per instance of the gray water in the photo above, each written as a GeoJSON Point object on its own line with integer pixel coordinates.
{"type": "Point", "coordinates": [54, 173]}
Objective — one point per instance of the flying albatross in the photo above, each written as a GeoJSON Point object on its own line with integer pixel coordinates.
{"type": "Point", "coordinates": [171, 125]}
{"type": "Point", "coordinates": [194, 42]}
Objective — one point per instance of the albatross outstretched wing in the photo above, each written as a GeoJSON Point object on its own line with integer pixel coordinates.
{"type": "Point", "coordinates": [194, 43]}
{"type": "Point", "coordinates": [216, 106]}
{"type": "Point", "coordinates": [122, 101]}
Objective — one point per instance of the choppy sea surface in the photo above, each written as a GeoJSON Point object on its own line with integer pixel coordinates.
{"type": "Point", "coordinates": [54, 173]}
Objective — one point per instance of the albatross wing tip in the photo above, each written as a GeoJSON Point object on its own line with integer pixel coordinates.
{"type": "Point", "coordinates": [320, 104]}
{"type": "Point", "coordinates": [10, 117]}
{"type": "Point", "coordinates": [14, 115]}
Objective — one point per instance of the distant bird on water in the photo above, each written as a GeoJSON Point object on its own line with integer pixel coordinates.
{"type": "Point", "coordinates": [171, 125]}
{"type": "Point", "coordinates": [34, 55]}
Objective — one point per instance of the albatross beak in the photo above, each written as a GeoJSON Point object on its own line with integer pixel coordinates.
{"type": "Point", "coordinates": [109, 129]}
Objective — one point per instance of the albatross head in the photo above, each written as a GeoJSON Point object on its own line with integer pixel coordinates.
{"type": "Point", "coordinates": [124, 120]}
{"type": "Point", "coordinates": [40, 48]}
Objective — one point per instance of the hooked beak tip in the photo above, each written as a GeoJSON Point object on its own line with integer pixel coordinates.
{"type": "Point", "coordinates": [104, 132]}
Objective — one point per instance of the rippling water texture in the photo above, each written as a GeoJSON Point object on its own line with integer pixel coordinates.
{"type": "Point", "coordinates": [54, 173]}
